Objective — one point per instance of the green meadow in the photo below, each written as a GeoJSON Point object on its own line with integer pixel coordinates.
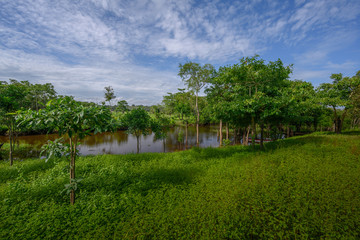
{"type": "Point", "coordinates": [299, 188]}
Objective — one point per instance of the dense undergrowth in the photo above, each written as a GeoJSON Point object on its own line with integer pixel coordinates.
{"type": "Point", "coordinates": [305, 188]}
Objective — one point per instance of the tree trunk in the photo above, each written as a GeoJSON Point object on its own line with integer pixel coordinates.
{"type": "Point", "coordinates": [12, 143]}
{"type": "Point", "coordinates": [315, 125]}
{"type": "Point", "coordinates": [197, 119]}
{"type": "Point", "coordinates": [336, 126]}
{"type": "Point", "coordinates": [137, 144]}
{"type": "Point", "coordinates": [253, 131]}
{"type": "Point", "coordinates": [235, 136]}
{"type": "Point", "coordinates": [220, 132]}
{"type": "Point", "coordinates": [244, 137]}
{"type": "Point", "coordinates": [247, 136]}
{"type": "Point", "coordinates": [287, 131]}
{"type": "Point", "coordinates": [239, 134]}
{"type": "Point", "coordinates": [262, 136]}
{"type": "Point", "coordinates": [11, 148]}
{"type": "Point", "coordinates": [186, 135]}
{"type": "Point", "coordinates": [341, 121]}
{"type": "Point", "coordinates": [227, 131]}
{"type": "Point", "coordinates": [72, 169]}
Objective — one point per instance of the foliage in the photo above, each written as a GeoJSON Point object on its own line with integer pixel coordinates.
{"type": "Point", "coordinates": [195, 78]}
{"type": "Point", "coordinates": [304, 188]}
{"type": "Point", "coordinates": [137, 122]}
{"type": "Point", "coordinates": [12, 96]}
{"type": "Point", "coordinates": [160, 126]}
{"type": "Point", "coordinates": [71, 118]}
{"type": "Point", "coordinates": [122, 106]}
{"type": "Point", "coordinates": [226, 142]}
{"type": "Point", "coordinates": [54, 149]}
{"type": "Point", "coordinates": [109, 94]}
{"type": "Point", "coordinates": [180, 103]}
{"type": "Point", "coordinates": [337, 95]}
{"type": "Point", "coordinates": [249, 92]}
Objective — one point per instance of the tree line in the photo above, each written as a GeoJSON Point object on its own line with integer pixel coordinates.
{"type": "Point", "coordinates": [254, 95]}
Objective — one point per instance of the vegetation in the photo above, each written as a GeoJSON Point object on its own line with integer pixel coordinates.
{"type": "Point", "coordinates": [195, 78]}
{"type": "Point", "coordinates": [109, 94]}
{"type": "Point", "coordinates": [14, 96]}
{"type": "Point", "coordinates": [340, 94]}
{"type": "Point", "coordinates": [304, 188]}
{"type": "Point", "coordinates": [68, 117]}
{"type": "Point", "coordinates": [138, 122]}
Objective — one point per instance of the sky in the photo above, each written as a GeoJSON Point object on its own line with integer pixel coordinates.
{"type": "Point", "coordinates": [135, 46]}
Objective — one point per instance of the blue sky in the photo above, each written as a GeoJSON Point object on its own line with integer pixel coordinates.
{"type": "Point", "coordinates": [136, 46]}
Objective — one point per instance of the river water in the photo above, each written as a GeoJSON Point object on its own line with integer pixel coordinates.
{"type": "Point", "coordinates": [122, 143]}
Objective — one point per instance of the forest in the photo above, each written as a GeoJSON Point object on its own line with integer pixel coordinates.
{"type": "Point", "coordinates": [297, 187]}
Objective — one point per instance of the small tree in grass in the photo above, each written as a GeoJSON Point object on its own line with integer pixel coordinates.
{"type": "Point", "coordinates": [72, 119]}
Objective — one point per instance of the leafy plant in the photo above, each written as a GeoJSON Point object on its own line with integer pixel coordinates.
{"type": "Point", "coordinates": [69, 117]}
{"type": "Point", "coordinates": [54, 149]}
{"type": "Point", "coordinates": [226, 142]}
{"type": "Point", "coordinates": [138, 122]}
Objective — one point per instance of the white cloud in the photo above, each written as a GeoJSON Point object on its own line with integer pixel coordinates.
{"type": "Point", "coordinates": [137, 85]}
{"type": "Point", "coordinates": [106, 42]}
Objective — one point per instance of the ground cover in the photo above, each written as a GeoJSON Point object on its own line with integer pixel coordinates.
{"type": "Point", "coordinates": [303, 187]}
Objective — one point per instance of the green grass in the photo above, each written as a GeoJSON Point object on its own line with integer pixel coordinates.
{"type": "Point", "coordinates": [305, 188]}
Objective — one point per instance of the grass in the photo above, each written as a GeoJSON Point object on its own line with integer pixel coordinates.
{"type": "Point", "coordinates": [305, 188]}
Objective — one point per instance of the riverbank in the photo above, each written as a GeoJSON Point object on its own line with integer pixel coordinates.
{"type": "Point", "coordinates": [302, 187]}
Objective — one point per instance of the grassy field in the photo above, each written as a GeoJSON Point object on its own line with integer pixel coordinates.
{"type": "Point", "coordinates": [300, 188]}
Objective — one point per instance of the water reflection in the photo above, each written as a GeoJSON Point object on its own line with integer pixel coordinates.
{"type": "Point", "coordinates": [122, 143]}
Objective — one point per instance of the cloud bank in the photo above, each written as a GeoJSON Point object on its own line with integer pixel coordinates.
{"type": "Point", "coordinates": [135, 46]}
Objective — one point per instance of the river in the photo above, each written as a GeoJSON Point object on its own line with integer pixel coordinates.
{"type": "Point", "coordinates": [122, 143]}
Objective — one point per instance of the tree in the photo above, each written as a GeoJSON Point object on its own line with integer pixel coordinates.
{"type": "Point", "coordinates": [122, 106]}
{"type": "Point", "coordinates": [355, 102]}
{"type": "Point", "coordinates": [299, 105]}
{"type": "Point", "coordinates": [248, 91]}
{"type": "Point", "coordinates": [160, 126]}
{"type": "Point", "coordinates": [337, 95]}
{"type": "Point", "coordinates": [195, 78]}
{"type": "Point", "coordinates": [12, 99]}
{"type": "Point", "coordinates": [71, 118]}
{"type": "Point", "coordinates": [220, 99]}
{"type": "Point", "coordinates": [40, 94]}
{"type": "Point", "coordinates": [138, 122]}
{"type": "Point", "coordinates": [109, 94]}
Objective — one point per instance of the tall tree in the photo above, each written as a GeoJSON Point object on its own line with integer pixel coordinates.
{"type": "Point", "coordinates": [337, 95]}
{"type": "Point", "coordinates": [109, 94]}
{"type": "Point", "coordinates": [12, 99]}
{"type": "Point", "coordinates": [195, 78]}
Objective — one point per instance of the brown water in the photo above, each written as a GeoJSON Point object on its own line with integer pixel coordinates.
{"type": "Point", "coordinates": [121, 143]}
